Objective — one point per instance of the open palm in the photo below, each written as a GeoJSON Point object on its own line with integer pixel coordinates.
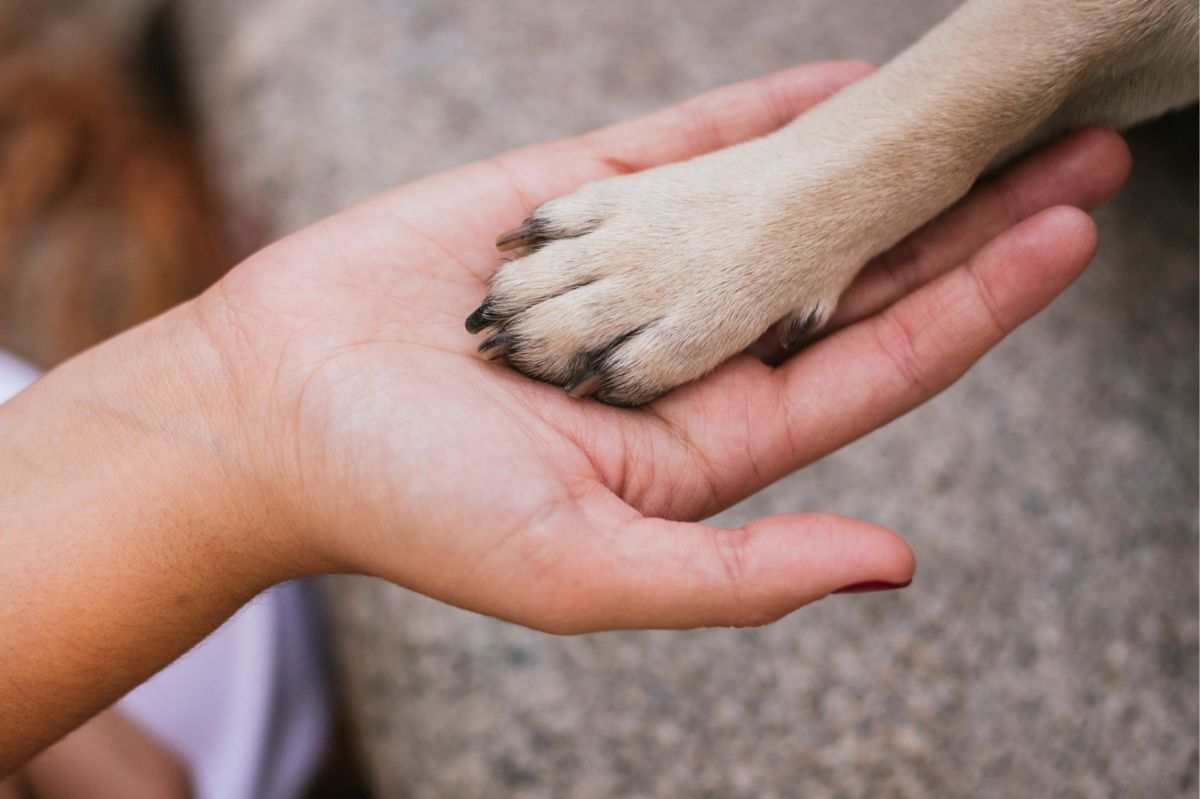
{"type": "Point", "coordinates": [397, 451]}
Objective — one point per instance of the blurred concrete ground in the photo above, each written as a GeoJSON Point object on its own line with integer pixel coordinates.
{"type": "Point", "coordinates": [1048, 646]}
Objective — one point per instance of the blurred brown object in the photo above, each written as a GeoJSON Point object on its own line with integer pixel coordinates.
{"type": "Point", "coordinates": [105, 215]}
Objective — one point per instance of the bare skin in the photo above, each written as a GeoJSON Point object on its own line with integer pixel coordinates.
{"type": "Point", "coordinates": [110, 757]}
{"type": "Point", "coordinates": [321, 409]}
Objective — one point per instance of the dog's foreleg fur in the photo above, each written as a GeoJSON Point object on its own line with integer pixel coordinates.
{"type": "Point", "coordinates": [636, 284]}
{"type": "Point", "coordinates": [995, 77]}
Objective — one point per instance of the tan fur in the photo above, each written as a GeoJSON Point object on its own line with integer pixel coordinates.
{"type": "Point", "coordinates": [650, 280]}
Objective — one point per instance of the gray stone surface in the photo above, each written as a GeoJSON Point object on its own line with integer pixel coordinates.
{"type": "Point", "coordinates": [1048, 646]}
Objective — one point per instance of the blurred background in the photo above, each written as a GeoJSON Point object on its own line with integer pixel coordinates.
{"type": "Point", "coordinates": [1048, 646]}
{"type": "Point", "coordinates": [106, 216]}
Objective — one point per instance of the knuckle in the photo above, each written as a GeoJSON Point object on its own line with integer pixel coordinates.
{"type": "Point", "coordinates": [731, 550]}
{"type": "Point", "coordinates": [899, 344]}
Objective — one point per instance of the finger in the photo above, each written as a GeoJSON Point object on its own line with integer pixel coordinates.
{"type": "Point", "coordinates": [864, 376]}
{"type": "Point", "coordinates": [662, 574]}
{"type": "Point", "coordinates": [1083, 170]}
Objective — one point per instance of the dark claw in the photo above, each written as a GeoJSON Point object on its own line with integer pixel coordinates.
{"type": "Point", "coordinates": [497, 346]}
{"type": "Point", "coordinates": [527, 235]}
{"type": "Point", "coordinates": [480, 318]}
{"type": "Point", "coordinates": [795, 334]}
{"type": "Point", "coordinates": [585, 386]}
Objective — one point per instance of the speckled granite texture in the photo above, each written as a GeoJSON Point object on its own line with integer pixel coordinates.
{"type": "Point", "coordinates": [1048, 647]}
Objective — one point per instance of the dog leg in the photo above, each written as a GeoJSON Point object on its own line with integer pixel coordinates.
{"type": "Point", "coordinates": [633, 285]}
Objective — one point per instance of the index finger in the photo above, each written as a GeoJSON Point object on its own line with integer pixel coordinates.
{"type": "Point", "coordinates": [861, 377]}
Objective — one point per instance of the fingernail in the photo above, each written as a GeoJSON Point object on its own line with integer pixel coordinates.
{"type": "Point", "coordinates": [870, 586]}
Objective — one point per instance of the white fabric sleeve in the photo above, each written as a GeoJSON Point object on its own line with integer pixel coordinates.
{"type": "Point", "coordinates": [15, 375]}
{"type": "Point", "coordinates": [247, 707]}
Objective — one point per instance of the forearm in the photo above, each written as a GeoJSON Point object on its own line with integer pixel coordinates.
{"type": "Point", "coordinates": [124, 535]}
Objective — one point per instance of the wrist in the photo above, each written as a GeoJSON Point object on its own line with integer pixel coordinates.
{"type": "Point", "coordinates": [131, 524]}
{"type": "Point", "coordinates": [139, 438]}
{"type": "Point", "coordinates": [157, 405]}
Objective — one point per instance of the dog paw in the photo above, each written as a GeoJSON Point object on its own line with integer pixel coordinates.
{"type": "Point", "coordinates": [636, 284]}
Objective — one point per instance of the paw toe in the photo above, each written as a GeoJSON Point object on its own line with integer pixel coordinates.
{"type": "Point", "coordinates": [801, 323]}
{"type": "Point", "coordinates": [563, 218]}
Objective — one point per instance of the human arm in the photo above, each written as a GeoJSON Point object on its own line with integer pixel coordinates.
{"type": "Point", "coordinates": [321, 409]}
{"type": "Point", "coordinates": [109, 757]}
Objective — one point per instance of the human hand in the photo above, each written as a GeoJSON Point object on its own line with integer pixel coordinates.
{"type": "Point", "coordinates": [323, 409]}
{"type": "Point", "coordinates": [401, 453]}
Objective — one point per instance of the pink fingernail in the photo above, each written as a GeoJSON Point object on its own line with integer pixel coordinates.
{"type": "Point", "coordinates": [870, 586]}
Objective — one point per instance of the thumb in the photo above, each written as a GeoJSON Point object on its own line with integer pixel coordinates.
{"type": "Point", "coordinates": [664, 574]}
